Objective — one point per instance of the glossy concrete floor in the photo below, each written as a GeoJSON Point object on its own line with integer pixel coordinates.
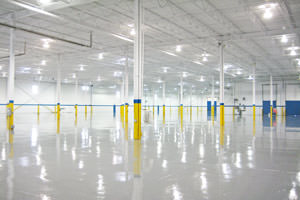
{"type": "Point", "coordinates": [97, 159]}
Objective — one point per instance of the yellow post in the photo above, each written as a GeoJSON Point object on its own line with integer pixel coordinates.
{"type": "Point", "coordinates": [197, 111]}
{"type": "Point", "coordinates": [191, 109]}
{"type": "Point", "coordinates": [222, 120]}
{"type": "Point", "coordinates": [85, 111]}
{"type": "Point", "coordinates": [181, 116]}
{"type": "Point", "coordinates": [212, 111]}
{"type": "Point", "coordinates": [76, 113]}
{"type": "Point", "coordinates": [58, 111]}
{"type": "Point", "coordinates": [153, 111]}
{"type": "Point", "coordinates": [254, 113]}
{"type": "Point", "coordinates": [10, 113]}
{"type": "Point", "coordinates": [38, 109]}
{"type": "Point", "coordinates": [281, 111]}
{"type": "Point", "coordinates": [254, 130]}
{"type": "Point", "coordinates": [271, 115]}
{"type": "Point", "coordinates": [137, 119]}
{"type": "Point", "coordinates": [126, 113]}
{"type": "Point", "coordinates": [164, 114]}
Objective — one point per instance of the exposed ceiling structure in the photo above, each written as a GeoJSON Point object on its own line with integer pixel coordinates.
{"type": "Point", "coordinates": [90, 40]}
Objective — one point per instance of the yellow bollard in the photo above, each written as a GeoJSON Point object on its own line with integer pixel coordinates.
{"type": "Point", "coordinates": [222, 120]}
{"type": "Point", "coordinates": [76, 113]}
{"type": "Point", "coordinates": [38, 109]}
{"type": "Point", "coordinates": [137, 119]}
{"type": "Point", "coordinates": [191, 109]}
{"type": "Point", "coordinates": [58, 111]}
{"type": "Point", "coordinates": [181, 116]}
{"type": "Point", "coordinates": [10, 113]}
{"type": "Point", "coordinates": [253, 112]}
{"type": "Point", "coordinates": [164, 114]}
{"type": "Point", "coordinates": [85, 111]}
{"type": "Point", "coordinates": [91, 110]}
{"type": "Point", "coordinates": [126, 112]}
{"type": "Point", "coordinates": [212, 111]}
{"type": "Point", "coordinates": [153, 111]}
{"type": "Point", "coordinates": [271, 115]}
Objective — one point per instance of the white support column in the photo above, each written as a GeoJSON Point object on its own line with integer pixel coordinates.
{"type": "Point", "coordinates": [221, 48]}
{"type": "Point", "coordinates": [164, 93]}
{"type": "Point", "coordinates": [126, 92]}
{"type": "Point", "coordinates": [76, 91]}
{"type": "Point", "coordinates": [58, 85]}
{"type": "Point", "coordinates": [138, 68]}
{"type": "Point", "coordinates": [11, 74]}
{"type": "Point", "coordinates": [271, 95]}
{"type": "Point", "coordinates": [212, 97]}
{"type": "Point", "coordinates": [253, 90]}
{"type": "Point", "coordinates": [181, 91]}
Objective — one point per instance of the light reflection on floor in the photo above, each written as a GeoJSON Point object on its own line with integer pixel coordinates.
{"type": "Point", "coordinates": [98, 159]}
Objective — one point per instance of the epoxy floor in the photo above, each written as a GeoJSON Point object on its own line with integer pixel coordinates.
{"type": "Point", "coordinates": [96, 159]}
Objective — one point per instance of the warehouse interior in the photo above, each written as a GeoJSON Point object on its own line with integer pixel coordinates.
{"type": "Point", "coordinates": [150, 99]}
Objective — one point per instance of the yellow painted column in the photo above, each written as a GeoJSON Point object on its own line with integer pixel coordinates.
{"type": "Point", "coordinates": [222, 120]}
{"type": "Point", "coordinates": [137, 158]}
{"type": "Point", "coordinates": [213, 111]}
{"type": "Point", "coordinates": [10, 114]}
{"type": "Point", "coordinates": [85, 111]}
{"type": "Point", "coordinates": [197, 111]}
{"type": "Point", "coordinates": [253, 112]}
{"type": "Point", "coordinates": [38, 109]}
{"type": "Point", "coordinates": [126, 113]}
{"type": "Point", "coordinates": [181, 116]}
{"type": "Point", "coordinates": [191, 110]}
{"type": "Point", "coordinates": [271, 115]}
{"type": "Point", "coordinates": [137, 119]}
{"type": "Point", "coordinates": [58, 118]}
{"type": "Point", "coordinates": [76, 113]}
{"type": "Point", "coordinates": [164, 114]}
{"type": "Point", "coordinates": [153, 111]}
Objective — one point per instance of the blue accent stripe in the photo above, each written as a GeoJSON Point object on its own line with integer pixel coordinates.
{"type": "Point", "coordinates": [221, 104]}
{"type": "Point", "coordinates": [181, 104]}
{"type": "Point", "coordinates": [137, 101]}
{"type": "Point", "coordinates": [58, 103]}
{"type": "Point", "coordinates": [127, 104]}
{"type": "Point", "coordinates": [11, 101]}
{"type": "Point", "coordinates": [253, 104]}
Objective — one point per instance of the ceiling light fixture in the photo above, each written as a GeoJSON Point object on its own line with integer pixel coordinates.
{"type": "Point", "coordinates": [122, 37]}
{"type": "Point", "coordinates": [169, 53]}
{"type": "Point", "coordinates": [100, 56]}
{"type": "Point", "coordinates": [73, 75]}
{"type": "Point", "coordinates": [98, 78]}
{"type": "Point", "coordinates": [284, 39]}
{"type": "Point", "coordinates": [197, 62]}
{"type": "Point", "coordinates": [43, 62]}
{"type": "Point", "coordinates": [178, 48]}
{"type": "Point", "coordinates": [32, 8]}
{"type": "Point", "coordinates": [204, 59]}
{"type": "Point", "coordinates": [293, 52]}
{"type": "Point", "coordinates": [268, 14]}
{"type": "Point", "coordinates": [132, 32]}
{"type": "Point", "coordinates": [45, 2]}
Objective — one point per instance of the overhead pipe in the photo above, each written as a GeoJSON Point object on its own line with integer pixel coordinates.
{"type": "Point", "coordinates": [16, 55]}
{"type": "Point", "coordinates": [49, 36]}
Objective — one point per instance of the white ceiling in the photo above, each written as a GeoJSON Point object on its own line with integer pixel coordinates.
{"type": "Point", "coordinates": [196, 25]}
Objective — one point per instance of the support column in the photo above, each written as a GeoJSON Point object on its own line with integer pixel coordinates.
{"type": "Point", "coordinates": [213, 98]}
{"type": "Point", "coordinates": [11, 86]}
{"type": "Point", "coordinates": [271, 98]}
{"type": "Point", "coordinates": [122, 101]}
{"type": "Point", "coordinates": [91, 100]}
{"type": "Point", "coordinates": [138, 68]}
{"type": "Point", "coordinates": [181, 102]}
{"type": "Point", "coordinates": [58, 93]}
{"type": "Point", "coordinates": [126, 91]}
{"type": "Point", "coordinates": [253, 90]}
{"type": "Point", "coordinates": [76, 100]}
{"type": "Point", "coordinates": [191, 104]}
{"type": "Point", "coordinates": [164, 102]}
{"type": "Point", "coordinates": [221, 48]}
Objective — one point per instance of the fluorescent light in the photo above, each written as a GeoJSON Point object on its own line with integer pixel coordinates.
{"type": "Point", "coordinates": [169, 53]}
{"type": "Point", "coordinates": [45, 2]}
{"type": "Point", "coordinates": [132, 32]}
{"type": "Point", "coordinates": [197, 62]}
{"type": "Point", "coordinates": [239, 72]}
{"type": "Point", "coordinates": [73, 75]}
{"type": "Point", "coordinates": [268, 14]}
{"type": "Point", "coordinates": [43, 62]}
{"type": "Point", "coordinates": [293, 52]}
{"type": "Point", "coordinates": [284, 39]}
{"type": "Point", "coordinates": [117, 74]}
{"type": "Point", "coordinates": [46, 45]}
{"type": "Point", "coordinates": [184, 74]}
{"type": "Point", "coordinates": [34, 89]}
{"type": "Point", "coordinates": [100, 56]}
{"type": "Point", "coordinates": [122, 37]}
{"type": "Point", "coordinates": [131, 25]}
{"type": "Point", "coordinates": [98, 78]}
{"type": "Point", "coordinates": [178, 48]}
{"type": "Point", "coordinates": [159, 81]}
{"type": "Point", "coordinates": [204, 59]}
{"type": "Point", "coordinates": [4, 74]}
{"type": "Point", "coordinates": [81, 68]}
{"type": "Point", "coordinates": [165, 70]}
{"type": "Point", "coordinates": [38, 71]}
{"type": "Point", "coordinates": [85, 88]}
{"type": "Point", "coordinates": [32, 8]}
